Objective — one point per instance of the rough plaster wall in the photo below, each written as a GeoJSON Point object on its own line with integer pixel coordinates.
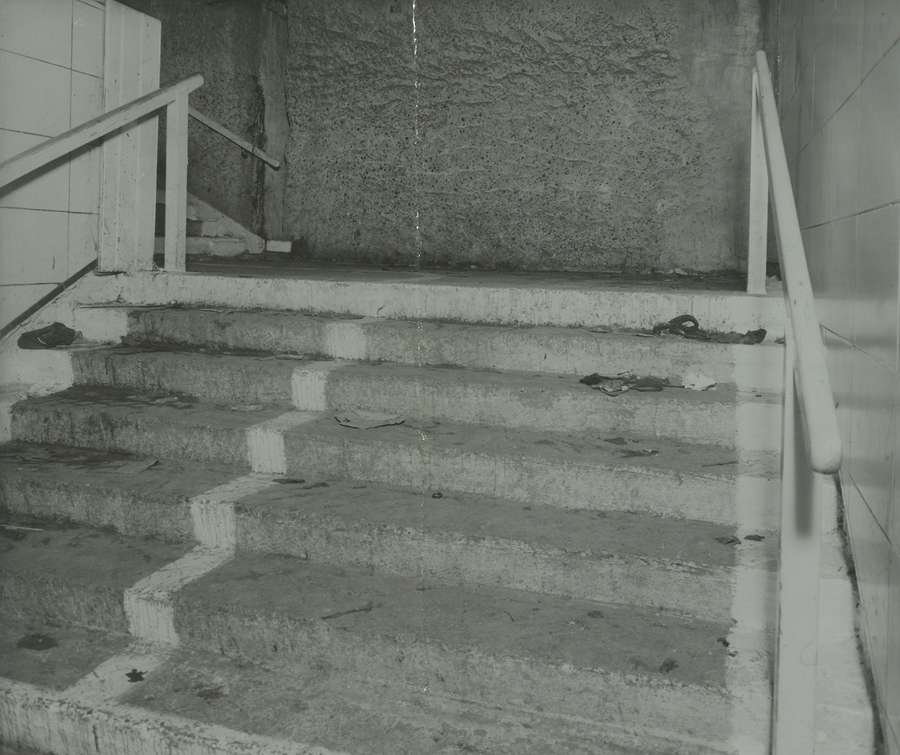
{"type": "Point", "coordinates": [221, 41]}
{"type": "Point", "coordinates": [579, 134]}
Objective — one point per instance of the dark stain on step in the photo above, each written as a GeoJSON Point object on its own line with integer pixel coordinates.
{"type": "Point", "coordinates": [728, 540]}
{"type": "Point", "coordinates": [755, 538]}
{"type": "Point", "coordinates": [135, 676]}
{"type": "Point", "coordinates": [37, 641]}
{"type": "Point", "coordinates": [210, 693]}
{"type": "Point", "coordinates": [670, 664]}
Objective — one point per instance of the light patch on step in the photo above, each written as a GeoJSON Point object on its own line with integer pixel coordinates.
{"type": "Point", "coordinates": [212, 512]}
{"type": "Point", "coordinates": [148, 603]}
{"type": "Point", "coordinates": [55, 722]}
{"type": "Point", "coordinates": [309, 385]}
{"type": "Point", "coordinates": [116, 675]}
{"type": "Point", "coordinates": [265, 442]}
{"type": "Point", "coordinates": [103, 324]}
{"type": "Point", "coordinates": [756, 503]}
{"type": "Point", "coordinates": [758, 426]}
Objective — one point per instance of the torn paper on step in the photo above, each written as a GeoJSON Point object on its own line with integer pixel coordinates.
{"type": "Point", "coordinates": [363, 420]}
{"type": "Point", "coordinates": [697, 381]}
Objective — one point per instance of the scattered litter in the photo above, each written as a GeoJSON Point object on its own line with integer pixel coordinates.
{"type": "Point", "coordinates": [728, 540]}
{"type": "Point", "coordinates": [21, 528]}
{"type": "Point", "coordinates": [624, 381]}
{"type": "Point", "coordinates": [362, 420]}
{"type": "Point", "coordinates": [246, 407]}
{"type": "Point", "coordinates": [135, 676]}
{"type": "Point", "coordinates": [780, 340]}
{"type": "Point", "coordinates": [289, 480]}
{"type": "Point", "coordinates": [670, 664]}
{"type": "Point", "coordinates": [362, 609]}
{"type": "Point", "coordinates": [36, 641]}
{"type": "Point", "coordinates": [697, 381]}
{"type": "Point", "coordinates": [437, 494]}
{"type": "Point", "coordinates": [48, 337]}
{"type": "Point", "coordinates": [755, 538]}
{"type": "Point", "coordinates": [687, 326]}
{"type": "Point", "coordinates": [630, 452]}
{"type": "Point", "coordinates": [723, 641]}
{"type": "Point", "coordinates": [720, 463]}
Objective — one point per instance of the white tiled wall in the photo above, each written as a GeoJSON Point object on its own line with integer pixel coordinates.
{"type": "Point", "coordinates": [51, 67]}
{"type": "Point", "coordinates": [840, 102]}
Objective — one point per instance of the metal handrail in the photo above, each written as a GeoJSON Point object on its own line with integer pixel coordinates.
{"type": "Point", "coordinates": [233, 137]}
{"type": "Point", "coordinates": [45, 153]}
{"type": "Point", "coordinates": [811, 444]}
{"type": "Point", "coordinates": [817, 404]}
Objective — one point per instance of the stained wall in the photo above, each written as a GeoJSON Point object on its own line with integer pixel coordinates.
{"type": "Point", "coordinates": [839, 87]}
{"type": "Point", "coordinates": [573, 134]}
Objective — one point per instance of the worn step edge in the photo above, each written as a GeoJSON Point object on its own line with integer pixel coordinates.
{"type": "Point", "coordinates": [362, 715]}
{"type": "Point", "coordinates": [718, 416]}
{"type": "Point", "coordinates": [565, 351]}
{"type": "Point", "coordinates": [53, 722]}
{"type": "Point", "coordinates": [444, 296]}
{"type": "Point", "coordinates": [267, 441]}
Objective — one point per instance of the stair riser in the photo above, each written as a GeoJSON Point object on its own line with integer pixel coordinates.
{"type": "Point", "coordinates": [136, 515]}
{"type": "Point", "coordinates": [85, 427]}
{"type": "Point", "coordinates": [544, 350]}
{"type": "Point", "coordinates": [454, 559]}
{"type": "Point", "coordinates": [527, 480]}
{"type": "Point", "coordinates": [438, 394]}
{"type": "Point", "coordinates": [66, 602]}
{"type": "Point", "coordinates": [439, 297]}
{"type": "Point", "coordinates": [227, 380]}
{"type": "Point", "coordinates": [617, 700]}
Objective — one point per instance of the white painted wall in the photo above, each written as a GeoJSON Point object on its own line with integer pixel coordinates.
{"type": "Point", "coordinates": [51, 78]}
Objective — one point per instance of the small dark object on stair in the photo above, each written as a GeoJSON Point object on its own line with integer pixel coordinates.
{"type": "Point", "coordinates": [625, 381]}
{"type": "Point", "coordinates": [687, 326]}
{"type": "Point", "coordinates": [670, 664]}
{"type": "Point", "coordinates": [48, 337]}
{"type": "Point", "coordinates": [755, 538]}
{"type": "Point", "coordinates": [728, 540]}
{"type": "Point", "coordinates": [723, 642]}
{"type": "Point", "coordinates": [135, 676]}
{"type": "Point", "coordinates": [289, 480]}
{"type": "Point", "coordinates": [36, 641]}
{"type": "Point", "coordinates": [437, 494]}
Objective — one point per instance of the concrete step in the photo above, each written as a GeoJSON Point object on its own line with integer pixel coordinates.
{"type": "Point", "coordinates": [208, 245]}
{"type": "Point", "coordinates": [72, 575]}
{"type": "Point", "coordinates": [719, 416]}
{"type": "Point", "coordinates": [493, 646]}
{"type": "Point", "coordinates": [594, 471]}
{"type": "Point", "coordinates": [310, 702]}
{"type": "Point", "coordinates": [615, 557]}
{"type": "Point", "coordinates": [132, 495]}
{"type": "Point", "coordinates": [564, 351]}
{"type": "Point", "coordinates": [554, 299]}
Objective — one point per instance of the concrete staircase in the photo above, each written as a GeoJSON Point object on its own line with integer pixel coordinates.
{"type": "Point", "coordinates": [198, 557]}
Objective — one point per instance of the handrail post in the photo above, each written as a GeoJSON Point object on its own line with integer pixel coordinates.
{"type": "Point", "coordinates": [758, 222]}
{"type": "Point", "coordinates": [176, 183]}
{"type": "Point", "coordinates": [796, 661]}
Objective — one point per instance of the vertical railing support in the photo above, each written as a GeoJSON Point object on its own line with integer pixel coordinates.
{"type": "Point", "coordinates": [798, 583]}
{"type": "Point", "coordinates": [176, 183]}
{"type": "Point", "coordinates": [758, 222]}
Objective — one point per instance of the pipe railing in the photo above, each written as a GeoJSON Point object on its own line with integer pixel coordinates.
{"type": "Point", "coordinates": [246, 146]}
{"type": "Point", "coordinates": [811, 444]}
{"type": "Point", "coordinates": [174, 100]}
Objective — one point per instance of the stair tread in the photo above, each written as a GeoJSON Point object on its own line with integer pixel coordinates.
{"type": "Point", "coordinates": [311, 703]}
{"type": "Point", "coordinates": [166, 409]}
{"type": "Point", "coordinates": [577, 533]}
{"type": "Point", "coordinates": [50, 655]}
{"type": "Point", "coordinates": [491, 622]}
